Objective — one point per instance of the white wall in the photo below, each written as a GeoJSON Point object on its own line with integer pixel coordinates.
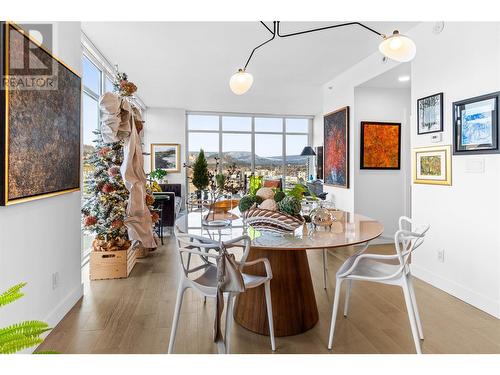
{"type": "Point", "coordinates": [463, 61]}
{"type": "Point", "coordinates": [42, 237]}
{"type": "Point", "coordinates": [464, 217]}
{"type": "Point", "coordinates": [382, 194]}
{"type": "Point", "coordinates": [166, 125]}
{"type": "Point", "coordinates": [338, 93]}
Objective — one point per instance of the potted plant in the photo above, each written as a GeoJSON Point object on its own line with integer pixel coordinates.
{"type": "Point", "coordinates": [200, 173]}
{"type": "Point", "coordinates": [157, 176]}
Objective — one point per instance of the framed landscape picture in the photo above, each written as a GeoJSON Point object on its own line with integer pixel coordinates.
{"type": "Point", "coordinates": [475, 125]}
{"type": "Point", "coordinates": [336, 148]}
{"type": "Point", "coordinates": [432, 165]}
{"type": "Point", "coordinates": [380, 145]}
{"type": "Point", "coordinates": [166, 156]}
{"type": "Point", "coordinates": [430, 114]}
{"type": "Point", "coordinates": [39, 123]}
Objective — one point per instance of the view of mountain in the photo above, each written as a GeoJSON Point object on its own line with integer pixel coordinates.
{"type": "Point", "coordinates": [245, 157]}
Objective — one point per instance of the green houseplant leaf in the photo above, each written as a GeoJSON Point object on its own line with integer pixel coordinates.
{"type": "Point", "coordinates": [11, 294]}
{"type": "Point", "coordinates": [22, 335]}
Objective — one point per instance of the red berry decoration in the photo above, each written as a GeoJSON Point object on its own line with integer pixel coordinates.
{"type": "Point", "coordinates": [108, 188]}
{"type": "Point", "coordinates": [89, 221]}
{"type": "Point", "coordinates": [117, 224]}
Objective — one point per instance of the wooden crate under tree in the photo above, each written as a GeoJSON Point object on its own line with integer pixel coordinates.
{"type": "Point", "coordinates": [111, 264]}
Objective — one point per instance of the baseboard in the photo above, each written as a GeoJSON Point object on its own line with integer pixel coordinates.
{"type": "Point", "coordinates": [483, 303]}
{"type": "Point", "coordinates": [58, 313]}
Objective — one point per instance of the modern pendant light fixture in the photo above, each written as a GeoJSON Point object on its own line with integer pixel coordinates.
{"type": "Point", "coordinates": [240, 82]}
{"type": "Point", "coordinates": [397, 47]}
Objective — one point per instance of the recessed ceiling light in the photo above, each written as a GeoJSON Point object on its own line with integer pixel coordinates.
{"type": "Point", "coordinates": [404, 78]}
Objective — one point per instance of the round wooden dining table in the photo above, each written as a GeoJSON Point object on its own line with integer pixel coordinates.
{"type": "Point", "coordinates": [292, 293]}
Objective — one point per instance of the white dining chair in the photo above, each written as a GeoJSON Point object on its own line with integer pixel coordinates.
{"type": "Point", "coordinates": [202, 277]}
{"type": "Point", "coordinates": [374, 267]}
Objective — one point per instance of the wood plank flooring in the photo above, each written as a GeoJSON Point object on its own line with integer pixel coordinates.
{"type": "Point", "coordinates": [134, 315]}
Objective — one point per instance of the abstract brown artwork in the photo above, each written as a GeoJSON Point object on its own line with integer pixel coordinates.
{"type": "Point", "coordinates": [380, 145]}
{"type": "Point", "coordinates": [40, 125]}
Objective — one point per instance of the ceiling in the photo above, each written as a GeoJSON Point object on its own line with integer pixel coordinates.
{"type": "Point", "coordinates": [390, 79]}
{"type": "Point", "coordinates": [188, 64]}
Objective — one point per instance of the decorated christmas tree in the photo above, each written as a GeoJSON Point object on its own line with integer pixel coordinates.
{"type": "Point", "coordinates": [104, 209]}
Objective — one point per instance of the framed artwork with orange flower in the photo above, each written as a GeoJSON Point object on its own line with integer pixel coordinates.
{"type": "Point", "coordinates": [380, 145]}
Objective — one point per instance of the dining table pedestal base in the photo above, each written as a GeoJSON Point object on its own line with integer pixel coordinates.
{"type": "Point", "coordinates": [292, 294]}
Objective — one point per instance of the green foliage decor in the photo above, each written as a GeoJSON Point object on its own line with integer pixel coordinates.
{"type": "Point", "coordinates": [256, 182]}
{"type": "Point", "coordinates": [297, 191]}
{"type": "Point", "coordinates": [200, 172]}
{"type": "Point", "coordinates": [278, 196]}
{"type": "Point", "coordinates": [19, 336]}
{"type": "Point", "coordinates": [246, 202]}
{"type": "Point", "coordinates": [158, 174]}
{"type": "Point", "coordinates": [290, 205]}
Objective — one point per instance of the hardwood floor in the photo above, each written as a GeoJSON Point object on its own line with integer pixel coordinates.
{"type": "Point", "coordinates": [134, 316]}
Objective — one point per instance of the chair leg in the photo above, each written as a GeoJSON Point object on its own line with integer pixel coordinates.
{"type": "Point", "coordinates": [229, 322]}
{"type": "Point", "coordinates": [269, 306]}
{"type": "Point", "coordinates": [415, 308]}
{"type": "Point", "coordinates": [338, 284]}
{"type": "Point", "coordinates": [347, 297]}
{"type": "Point", "coordinates": [324, 268]}
{"type": "Point", "coordinates": [411, 316]}
{"type": "Point", "coordinates": [178, 305]}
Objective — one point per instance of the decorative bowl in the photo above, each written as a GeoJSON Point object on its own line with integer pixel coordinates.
{"type": "Point", "coordinates": [272, 221]}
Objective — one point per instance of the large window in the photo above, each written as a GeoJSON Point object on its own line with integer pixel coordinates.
{"type": "Point", "coordinates": [268, 146]}
{"type": "Point", "coordinates": [95, 83]}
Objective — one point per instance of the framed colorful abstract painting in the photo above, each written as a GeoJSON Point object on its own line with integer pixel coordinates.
{"type": "Point", "coordinates": [39, 120]}
{"type": "Point", "coordinates": [166, 156]}
{"type": "Point", "coordinates": [475, 121]}
{"type": "Point", "coordinates": [336, 148]}
{"type": "Point", "coordinates": [430, 114]}
{"type": "Point", "coordinates": [432, 165]}
{"type": "Point", "coordinates": [380, 145]}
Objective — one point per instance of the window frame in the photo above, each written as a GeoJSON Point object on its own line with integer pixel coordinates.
{"type": "Point", "coordinates": [252, 133]}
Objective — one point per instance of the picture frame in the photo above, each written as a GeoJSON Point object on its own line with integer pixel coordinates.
{"type": "Point", "coordinates": [39, 125]}
{"type": "Point", "coordinates": [380, 145]}
{"type": "Point", "coordinates": [430, 114]}
{"type": "Point", "coordinates": [475, 125]}
{"type": "Point", "coordinates": [432, 165]}
{"type": "Point", "coordinates": [319, 162]}
{"type": "Point", "coordinates": [166, 156]}
{"type": "Point", "coordinates": [336, 167]}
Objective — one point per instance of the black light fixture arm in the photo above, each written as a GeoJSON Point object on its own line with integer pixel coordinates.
{"type": "Point", "coordinates": [326, 28]}
{"type": "Point", "coordinates": [260, 45]}
{"type": "Point", "coordinates": [276, 32]}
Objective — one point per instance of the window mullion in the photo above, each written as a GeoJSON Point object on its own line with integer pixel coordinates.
{"type": "Point", "coordinates": [284, 150]}
{"type": "Point", "coordinates": [220, 144]}
{"type": "Point", "coordinates": [252, 148]}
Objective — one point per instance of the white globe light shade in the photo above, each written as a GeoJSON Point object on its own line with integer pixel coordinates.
{"type": "Point", "coordinates": [240, 82]}
{"type": "Point", "coordinates": [398, 47]}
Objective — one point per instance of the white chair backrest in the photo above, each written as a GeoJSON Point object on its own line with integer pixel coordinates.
{"type": "Point", "coordinates": [207, 250]}
{"type": "Point", "coordinates": [191, 246]}
{"type": "Point", "coordinates": [407, 241]}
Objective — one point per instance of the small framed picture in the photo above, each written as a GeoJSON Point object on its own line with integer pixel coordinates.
{"type": "Point", "coordinates": [430, 114]}
{"type": "Point", "coordinates": [432, 165]}
{"type": "Point", "coordinates": [475, 125]}
{"type": "Point", "coordinates": [166, 156]}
